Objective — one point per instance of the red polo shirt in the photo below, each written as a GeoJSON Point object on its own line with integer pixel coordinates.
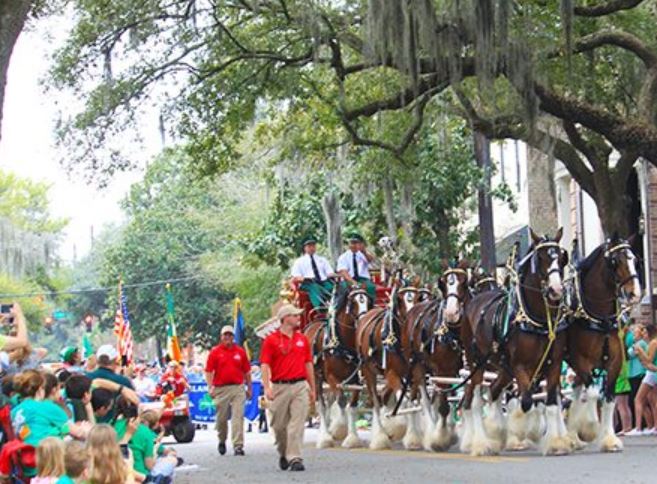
{"type": "Point", "coordinates": [287, 357]}
{"type": "Point", "coordinates": [228, 364]}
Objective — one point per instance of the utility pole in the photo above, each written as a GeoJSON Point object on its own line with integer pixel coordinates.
{"type": "Point", "coordinates": [486, 227]}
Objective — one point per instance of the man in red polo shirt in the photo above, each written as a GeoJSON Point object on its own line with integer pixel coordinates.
{"type": "Point", "coordinates": [289, 382]}
{"type": "Point", "coordinates": [225, 371]}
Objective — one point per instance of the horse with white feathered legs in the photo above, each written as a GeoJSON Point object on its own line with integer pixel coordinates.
{"type": "Point", "coordinates": [432, 345]}
{"type": "Point", "coordinates": [516, 331]}
{"type": "Point", "coordinates": [378, 339]}
{"type": "Point", "coordinates": [602, 281]}
{"type": "Point", "coordinates": [336, 362]}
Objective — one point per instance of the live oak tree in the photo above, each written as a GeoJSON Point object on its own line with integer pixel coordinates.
{"type": "Point", "coordinates": [367, 64]}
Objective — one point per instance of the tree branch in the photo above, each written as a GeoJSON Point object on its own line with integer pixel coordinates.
{"type": "Point", "coordinates": [624, 134]}
{"type": "Point", "coordinates": [606, 8]}
{"type": "Point", "coordinates": [580, 143]}
{"type": "Point", "coordinates": [618, 38]}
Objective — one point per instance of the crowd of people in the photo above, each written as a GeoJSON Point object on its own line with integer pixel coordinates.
{"type": "Point", "coordinates": [636, 387]}
{"type": "Point", "coordinates": [79, 421]}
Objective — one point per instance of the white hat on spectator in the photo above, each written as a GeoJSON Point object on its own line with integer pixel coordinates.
{"type": "Point", "coordinates": [108, 351]}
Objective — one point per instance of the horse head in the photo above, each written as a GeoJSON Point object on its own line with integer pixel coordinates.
{"type": "Point", "coordinates": [358, 303]}
{"type": "Point", "coordinates": [407, 297]}
{"type": "Point", "coordinates": [481, 280]}
{"type": "Point", "coordinates": [547, 259]}
{"type": "Point", "coordinates": [454, 286]}
{"type": "Point", "coordinates": [621, 261]}
{"type": "Point", "coordinates": [424, 294]}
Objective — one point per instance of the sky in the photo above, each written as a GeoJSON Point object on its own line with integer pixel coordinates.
{"type": "Point", "coordinates": [27, 145]}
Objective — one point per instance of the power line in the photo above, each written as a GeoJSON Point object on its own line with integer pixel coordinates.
{"type": "Point", "coordinates": [100, 289]}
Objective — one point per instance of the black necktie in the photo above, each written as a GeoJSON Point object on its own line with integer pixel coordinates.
{"type": "Point", "coordinates": [355, 267]}
{"type": "Point", "coordinates": [315, 269]}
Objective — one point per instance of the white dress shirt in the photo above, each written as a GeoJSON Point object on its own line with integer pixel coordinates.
{"type": "Point", "coordinates": [303, 267]}
{"type": "Point", "coordinates": [346, 262]}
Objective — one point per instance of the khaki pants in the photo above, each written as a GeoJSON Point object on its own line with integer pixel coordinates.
{"type": "Point", "coordinates": [232, 396]}
{"type": "Point", "coordinates": [289, 412]}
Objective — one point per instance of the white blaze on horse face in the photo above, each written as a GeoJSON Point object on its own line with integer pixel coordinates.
{"type": "Point", "coordinates": [409, 300]}
{"type": "Point", "coordinates": [452, 307]}
{"type": "Point", "coordinates": [361, 303]}
{"type": "Point", "coordinates": [634, 294]}
{"type": "Point", "coordinates": [554, 281]}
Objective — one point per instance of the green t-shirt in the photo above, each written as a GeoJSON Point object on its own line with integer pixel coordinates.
{"type": "Point", "coordinates": [3, 340]}
{"type": "Point", "coordinates": [142, 444]}
{"type": "Point", "coordinates": [34, 420]}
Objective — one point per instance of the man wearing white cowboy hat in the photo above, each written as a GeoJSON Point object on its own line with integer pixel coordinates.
{"type": "Point", "coordinates": [226, 370]}
{"type": "Point", "coordinates": [289, 381]}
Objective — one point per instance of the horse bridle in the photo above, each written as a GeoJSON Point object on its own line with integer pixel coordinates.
{"type": "Point", "coordinates": [554, 251]}
{"type": "Point", "coordinates": [455, 272]}
{"type": "Point", "coordinates": [352, 295]}
{"type": "Point", "coordinates": [610, 258]}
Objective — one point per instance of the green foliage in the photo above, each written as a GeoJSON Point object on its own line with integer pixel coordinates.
{"type": "Point", "coordinates": [25, 203]}
{"type": "Point", "coordinates": [35, 308]}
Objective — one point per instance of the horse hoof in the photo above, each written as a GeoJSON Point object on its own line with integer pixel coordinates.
{"type": "Point", "coordinates": [325, 443]}
{"type": "Point", "coordinates": [611, 443]}
{"type": "Point", "coordinates": [338, 432]}
{"type": "Point", "coordinates": [380, 442]}
{"type": "Point", "coordinates": [575, 442]}
{"type": "Point", "coordinates": [557, 446]}
{"type": "Point", "coordinates": [514, 444]}
{"type": "Point", "coordinates": [352, 442]}
{"type": "Point", "coordinates": [482, 448]}
{"type": "Point", "coordinates": [412, 441]}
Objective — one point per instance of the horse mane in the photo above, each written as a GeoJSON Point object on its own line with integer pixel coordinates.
{"type": "Point", "coordinates": [584, 265]}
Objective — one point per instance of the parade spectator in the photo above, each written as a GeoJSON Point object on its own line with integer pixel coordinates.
{"type": "Point", "coordinates": [622, 393]}
{"type": "Point", "coordinates": [71, 359]}
{"type": "Point", "coordinates": [78, 398]}
{"type": "Point", "coordinates": [76, 463]}
{"type": "Point", "coordinates": [144, 385]}
{"type": "Point", "coordinates": [34, 418]}
{"type": "Point", "coordinates": [289, 381]}
{"type": "Point", "coordinates": [226, 371]}
{"type": "Point", "coordinates": [50, 461]}
{"type": "Point", "coordinates": [635, 370]}
{"type": "Point", "coordinates": [106, 357]}
{"type": "Point", "coordinates": [102, 403]}
{"type": "Point", "coordinates": [646, 399]}
{"type": "Point", "coordinates": [16, 318]}
{"type": "Point", "coordinates": [107, 465]}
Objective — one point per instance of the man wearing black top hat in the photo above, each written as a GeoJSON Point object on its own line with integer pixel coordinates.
{"type": "Point", "coordinates": [313, 272]}
{"type": "Point", "coordinates": [353, 265]}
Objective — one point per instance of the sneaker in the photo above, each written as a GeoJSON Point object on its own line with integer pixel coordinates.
{"type": "Point", "coordinates": [297, 465]}
{"type": "Point", "coordinates": [221, 448]}
{"type": "Point", "coordinates": [634, 433]}
{"type": "Point", "coordinates": [239, 451]}
{"type": "Point", "coordinates": [283, 463]}
{"type": "Point", "coordinates": [652, 431]}
{"type": "Point", "coordinates": [180, 461]}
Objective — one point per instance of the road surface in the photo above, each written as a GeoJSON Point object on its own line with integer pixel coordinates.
{"type": "Point", "coordinates": [638, 464]}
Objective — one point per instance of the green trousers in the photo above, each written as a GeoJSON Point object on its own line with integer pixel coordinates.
{"type": "Point", "coordinates": [370, 287]}
{"type": "Point", "coordinates": [318, 292]}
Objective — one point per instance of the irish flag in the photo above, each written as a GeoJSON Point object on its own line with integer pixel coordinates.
{"type": "Point", "coordinates": [173, 348]}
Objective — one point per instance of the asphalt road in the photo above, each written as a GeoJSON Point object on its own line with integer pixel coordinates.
{"type": "Point", "coordinates": [637, 464]}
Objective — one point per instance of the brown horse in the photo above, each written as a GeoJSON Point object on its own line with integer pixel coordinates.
{"type": "Point", "coordinates": [432, 346]}
{"type": "Point", "coordinates": [378, 339]}
{"type": "Point", "coordinates": [604, 277]}
{"type": "Point", "coordinates": [336, 362]}
{"type": "Point", "coordinates": [516, 332]}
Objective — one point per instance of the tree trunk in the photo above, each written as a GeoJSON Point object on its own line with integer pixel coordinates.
{"type": "Point", "coordinates": [612, 203]}
{"type": "Point", "coordinates": [441, 227]}
{"type": "Point", "coordinates": [13, 14]}
{"type": "Point", "coordinates": [486, 228]}
{"type": "Point", "coordinates": [333, 218]}
{"type": "Point", "coordinates": [389, 207]}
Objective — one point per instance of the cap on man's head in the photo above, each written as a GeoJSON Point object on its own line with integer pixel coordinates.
{"type": "Point", "coordinates": [287, 310]}
{"type": "Point", "coordinates": [107, 351]}
{"type": "Point", "coordinates": [67, 353]}
{"type": "Point", "coordinates": [356, 237]}
{"type": "Point", "coordinates": [309, 241]}
{"type": "Point", "coordinates": [227, 329]}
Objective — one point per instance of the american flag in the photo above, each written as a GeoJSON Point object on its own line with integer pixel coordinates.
{"type": "Point", "coordinates": [122, 329]}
